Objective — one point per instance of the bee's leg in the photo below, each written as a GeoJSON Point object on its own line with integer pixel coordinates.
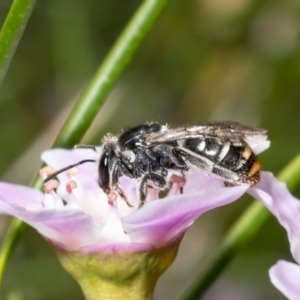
{"type": "Point", "coordinates": [121, 194]}
{"type": "Point", "coordinates": [115, 184]}
{"type": "Point", "coordinates": [157, 181]}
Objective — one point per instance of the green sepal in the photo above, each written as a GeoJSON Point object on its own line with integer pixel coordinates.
{"type": "Point", "coordinates": [114, 275]}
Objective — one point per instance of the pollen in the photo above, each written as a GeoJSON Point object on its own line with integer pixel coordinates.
{"type": "Point", "coordinates": [112, 197]}
{"type": "Point", "coordinates": [50, 185]}
{"type": "Point", "coordinates": [45, 171]}
{"type": "Point", "coordinates": [73, 171]}
{"type": "Point", "coordinates": [70, 186]}
{"type": "Point", "coordinates": [180, 180]}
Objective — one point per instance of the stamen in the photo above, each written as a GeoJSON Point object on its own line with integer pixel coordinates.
{"type": "Point", "coordinates": [112, 197]}
{"type": "Point", "coordinates": [45, 171]}
{"type": "Point", "coordinates": [70, 186]}
{"type": "Point", "coordinates": [50, 185]}
{"type": "Point", "coordinates": [72, 172]}
{"type": "Point", "coordinates": [67, 168]}
{"type": "Point", "coordinates": [178, 180]}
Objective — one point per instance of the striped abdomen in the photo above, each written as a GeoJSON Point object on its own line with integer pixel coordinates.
{"type": "Point", "coordinates": [231, 160]}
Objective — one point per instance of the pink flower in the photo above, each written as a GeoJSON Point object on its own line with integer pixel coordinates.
{"type": "Point", "coordinates": [286, 208]}
{"type": "Point", "coordinates": [82, 219]}
{"type": "Point", "coordinates": [100, 239]}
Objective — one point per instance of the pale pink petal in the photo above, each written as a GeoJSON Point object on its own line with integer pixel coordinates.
{"type": "Point", "coordinates": [199, 181]}
{"type": "Point", "coordinates": [89, 197]}
{"type": "Point", "coordinates": [60, 158]}
{"type": "Point", "coordinates": [125, 247]}
{"type": "Point", "coordinates": [286, 208]}
{"type": "Point", "coordinates": [118, 247]}
{"type": "Point", "coordinates": [92, 200]}
{"type": "Point", "coordinates": [286, 277]}
{"type": "Point", "coordinates": [95, 204]}
{"type": "Point", "coordinates": [130, 188]}
{"type": "Point", "coordinates": [70, 228]}
{"type": "Point", "coordinates": [22, 196]}
{"type": "Point", "coordinates": [161, 220]}
{"type": "Point", "coordinates": [258, 148]}
{"type": "Point", "coordinates": [113, 229]}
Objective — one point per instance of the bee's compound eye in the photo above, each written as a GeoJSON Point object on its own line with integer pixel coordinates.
{"type": "Point", "coordinates": [103, 172]}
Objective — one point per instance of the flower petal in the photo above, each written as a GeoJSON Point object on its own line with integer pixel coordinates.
{"type": "Point", "coordinates": [286, 277]}
{"type": "Point", "coordinates": [286, 208]}
{"type": "Point", "coordinates": [60, 158]}
{"type": "Point", "coordinates": [258, 148]}
{"type": "Point", "coordinates": [69, 228]}
{"type": "Point", "coordinates": [22, 196]}
{"type": "Point", "coordinates": [113, 230]}
{"type": "Point", "coordinates": [118, 247]}
{"type": "Point", "coordinates": [88, 196]}
{"type": "Point", "coordinates": [161, 220]}
{"type": "Point", "coordinates": [200, 181]}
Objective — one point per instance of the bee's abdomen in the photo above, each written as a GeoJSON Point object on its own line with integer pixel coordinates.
{"type": "Point", "coordinates": [249, 171]}
{"type": "Point", "coordinates": [234, 162]}
{"type": "Point", "coordinates": [241, 160]}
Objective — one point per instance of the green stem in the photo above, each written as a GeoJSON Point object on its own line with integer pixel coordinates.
{"type": "Point", "coordinates": [10, 241]}
{"type": "Point", "coordinates": [239, 235]}
{"type": "Point", "coordinates": [117, 59]}
{"type": "Point", "coordinates": [12, 31]}
{"type": "Point", "coordinates": [93, 97]}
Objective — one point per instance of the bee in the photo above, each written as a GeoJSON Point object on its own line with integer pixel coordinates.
{"type": "Point", "coordinates": [148, 151]}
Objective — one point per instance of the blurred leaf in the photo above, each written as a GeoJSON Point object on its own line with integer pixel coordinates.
{"type": "Point", "coordinates": [12, 31]}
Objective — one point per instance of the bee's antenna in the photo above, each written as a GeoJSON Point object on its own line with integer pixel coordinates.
{"type": "Point", "coordinates": [86, 147]}
{"type": "Point", "coordinates": [67, 168]}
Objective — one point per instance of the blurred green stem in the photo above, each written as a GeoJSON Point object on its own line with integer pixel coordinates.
{"type": "Point", "coordinates": [239, 235]}
{"type": "Point", "coordinates": [93, 97]}
{"type": "Point", "coordinates": [12, 31]}
{"type": "Point", "coordinates": [117, 59]}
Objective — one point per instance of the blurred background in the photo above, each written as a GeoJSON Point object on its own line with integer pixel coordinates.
{"type": "Point", "coordinates": [204, 60]}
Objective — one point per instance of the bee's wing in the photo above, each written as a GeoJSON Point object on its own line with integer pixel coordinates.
{"type": "Point", "coordinates": [223, 130]}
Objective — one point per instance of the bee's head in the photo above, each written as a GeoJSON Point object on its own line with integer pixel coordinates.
{"type": "Point", "coordinates": [106, 162]}
{"type": "Point", "coordinates": [103, 170]}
